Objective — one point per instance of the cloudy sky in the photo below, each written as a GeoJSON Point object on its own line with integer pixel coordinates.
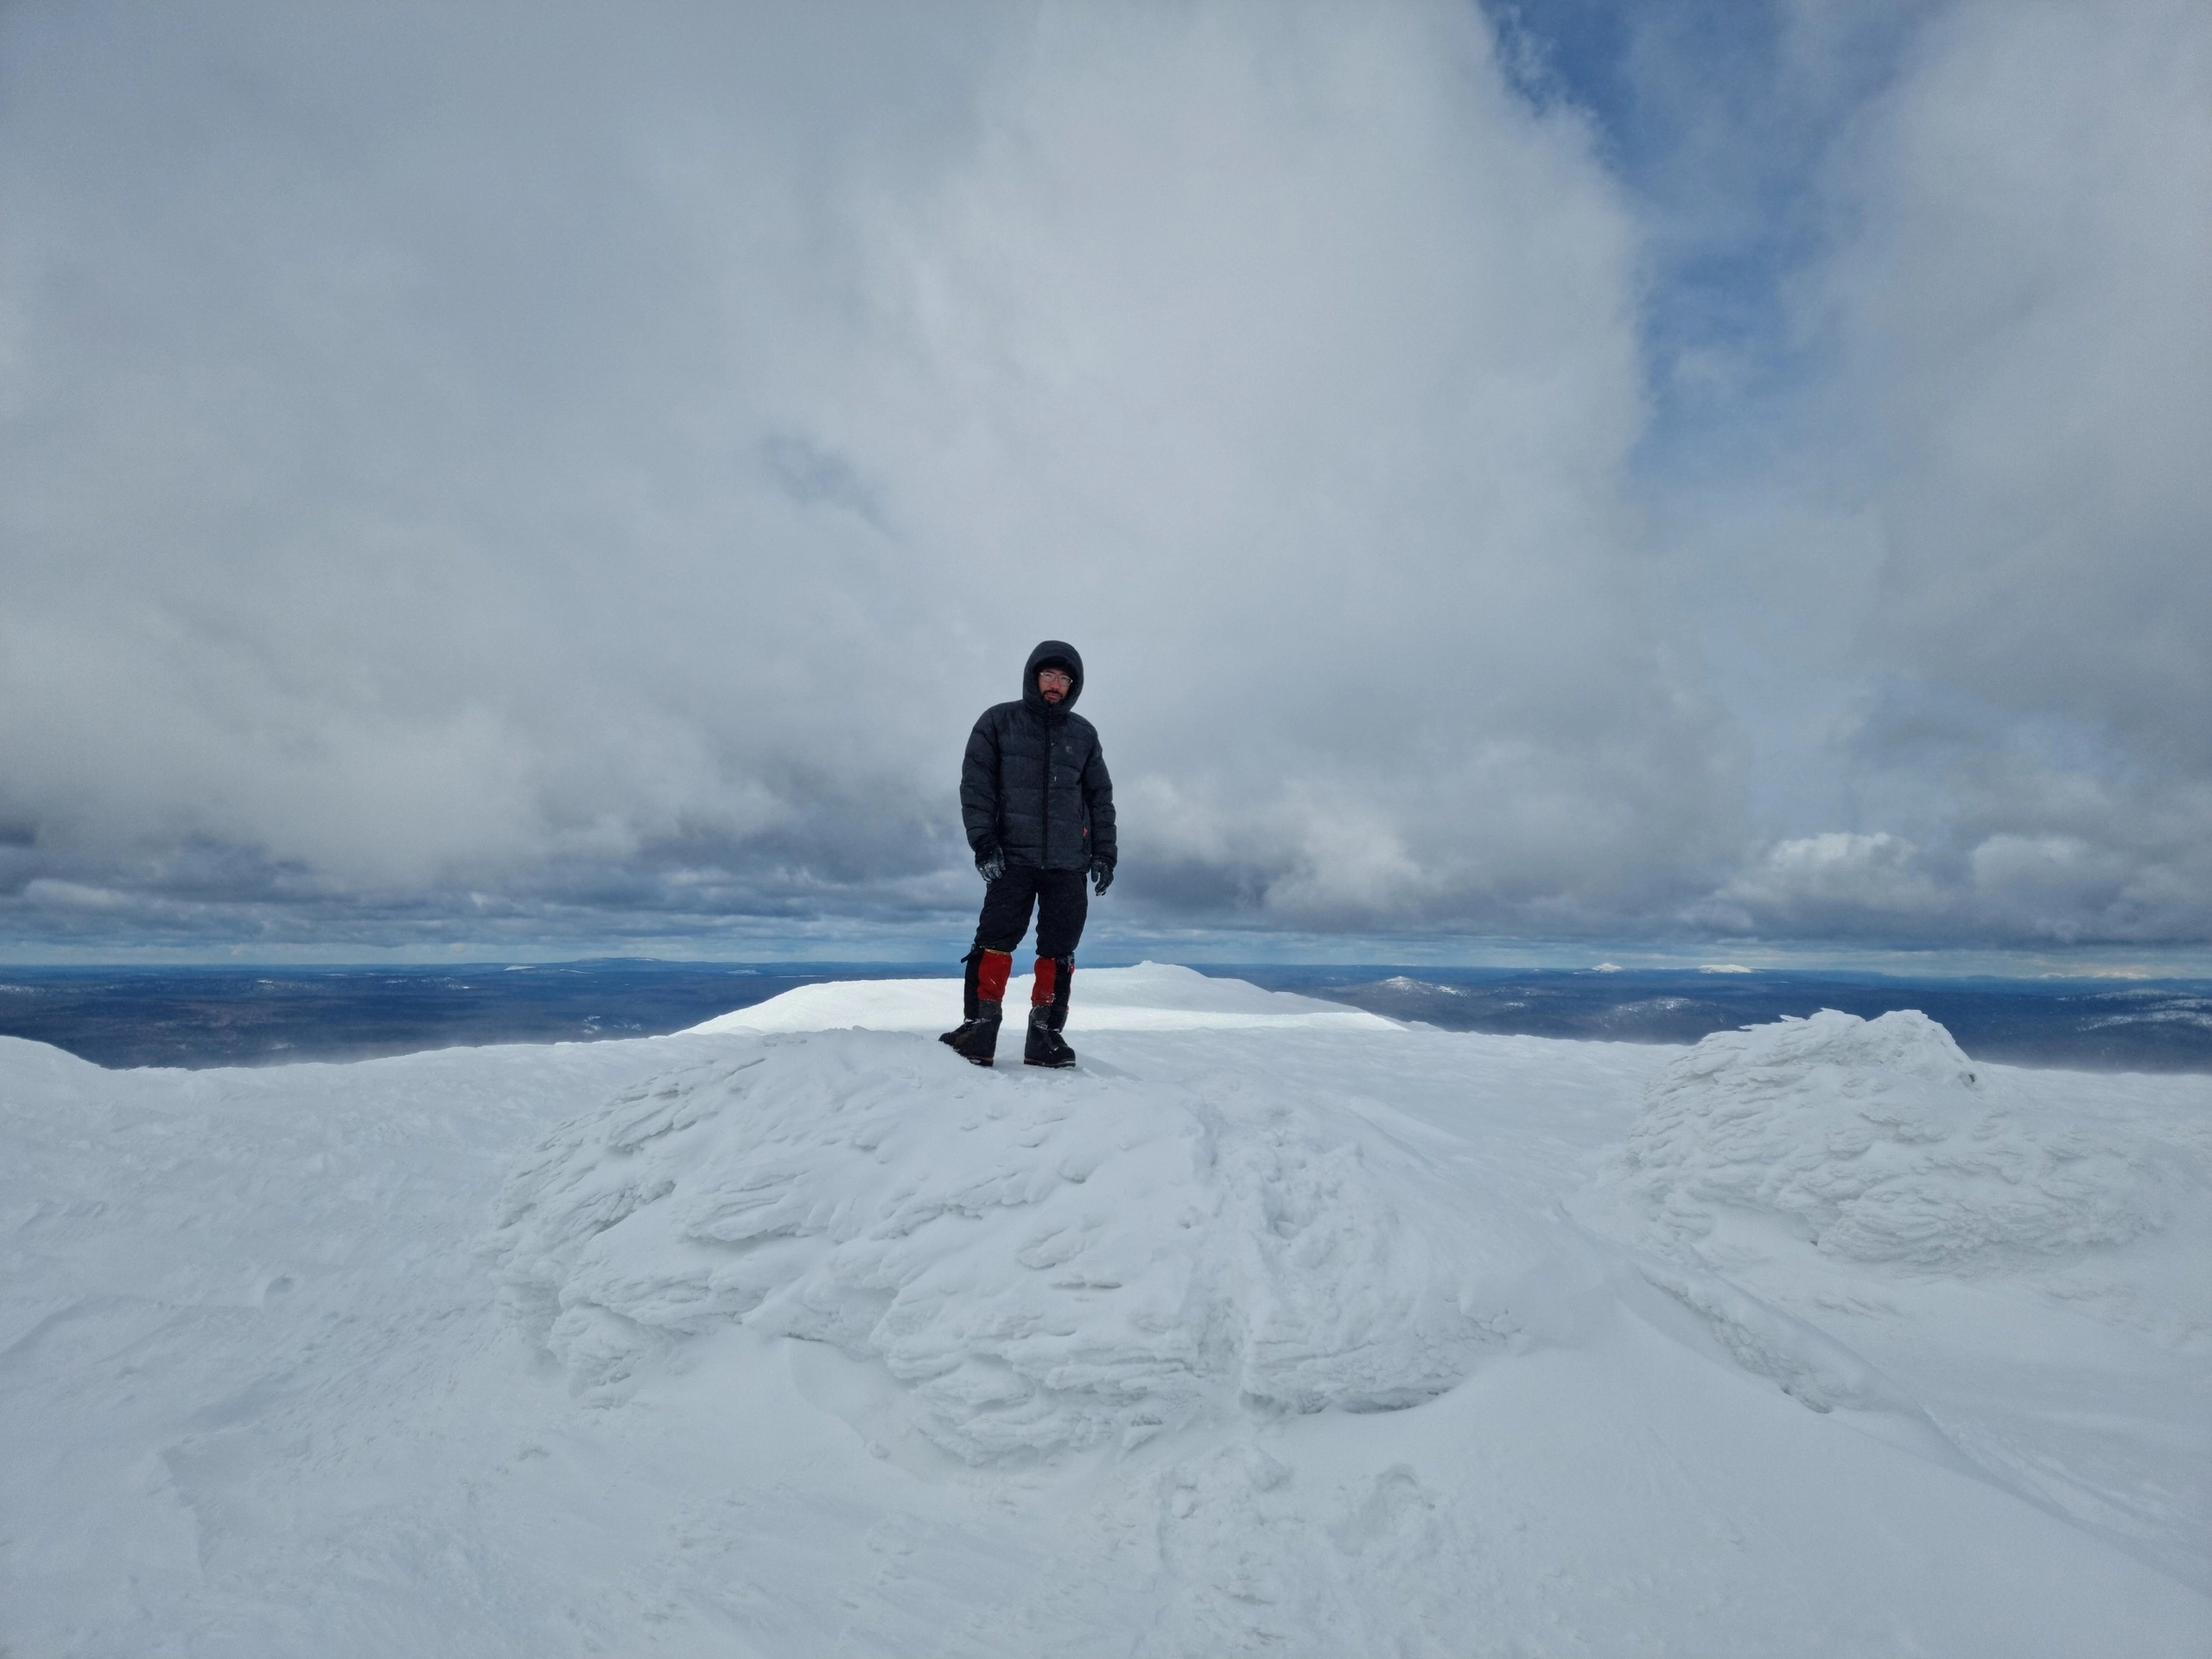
{"type": "Point", "coordinates": [564, 478]}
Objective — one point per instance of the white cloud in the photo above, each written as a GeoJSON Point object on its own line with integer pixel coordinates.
{"type": "Point", "coordinates": [1954, 592]}
{"type": "Point", "coordinates": [2024, 312]}
{"type": "Point", "coordinates": [2027, 384]}
{"type": "Point", "coordinates": [604, 470]}
{"type": "Point", "coordinates": [623, 466]}
{"type": "Point", "coordinates": [1839, 872]}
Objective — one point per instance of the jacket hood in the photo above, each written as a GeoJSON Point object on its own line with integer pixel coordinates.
{"type": "Point", "coordinates": [1052, 651]}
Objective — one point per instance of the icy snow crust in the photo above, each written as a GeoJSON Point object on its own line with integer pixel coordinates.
{"type": "Point", "coordinates": [1879, 1142]}
{"type": "Point", "coordinates": [1273, 1332]}
{"type": "Point", "coordinates": [1047, 1261]}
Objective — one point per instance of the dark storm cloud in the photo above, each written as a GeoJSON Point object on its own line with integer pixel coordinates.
{"type": "Point", "coordinates": [562, 475]}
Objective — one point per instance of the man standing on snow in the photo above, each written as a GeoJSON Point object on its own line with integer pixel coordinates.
{"type": "Point", "coordinates": [1039, 809]}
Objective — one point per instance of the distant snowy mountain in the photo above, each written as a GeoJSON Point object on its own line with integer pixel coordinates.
{"type": "Point", "coordinates": [1276, 1325]}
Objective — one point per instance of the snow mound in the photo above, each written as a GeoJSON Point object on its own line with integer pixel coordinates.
{"type": "Point", "coordinates": [1878, 1140]}
{"type": "Point", "coordinates": [1152, 996]}
{"type": "Point", "coordinates": [1046, 1262]}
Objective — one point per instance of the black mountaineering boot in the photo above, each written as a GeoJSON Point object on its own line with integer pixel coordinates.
{"type": "Point", "coordinates": [1048, 1012]}
{"type": "Point", "coordinates": [976, 1040]}
{"type": "Point", "coordinates": [1045, 1046]}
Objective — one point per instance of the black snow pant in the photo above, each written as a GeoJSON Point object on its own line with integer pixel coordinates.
{"type": "Point", "coordinates": [1061, 900]}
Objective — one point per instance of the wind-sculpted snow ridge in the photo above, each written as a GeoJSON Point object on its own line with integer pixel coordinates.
{"type": "Point", "coordinates": [1046, 1263]}
{"type": "Point", "coordinates": [1879, 1142]}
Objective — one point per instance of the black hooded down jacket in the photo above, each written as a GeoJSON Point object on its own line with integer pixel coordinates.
{"type": "Point", "coordinates": [1034, 781]}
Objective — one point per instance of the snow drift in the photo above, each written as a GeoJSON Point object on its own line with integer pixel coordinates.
{"type": "Point", "coordinates": [1877, 1141]}
{"type": "Point", "coordinates": [1046, 1262]}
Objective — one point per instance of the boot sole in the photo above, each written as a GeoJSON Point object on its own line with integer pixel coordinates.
{"type": "Point", "coordinates": [1051, 1065]}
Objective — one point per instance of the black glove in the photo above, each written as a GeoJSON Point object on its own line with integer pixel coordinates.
{"type": "Point", "coordinates": [990, 863]}
{"type": "Point", "coordinates": [1102, 873]}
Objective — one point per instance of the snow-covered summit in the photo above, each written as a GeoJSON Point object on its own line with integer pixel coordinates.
{"type": "Point", "coordinates": [1151, 997]}
{"type": "Point", "coordinates": [1363, 1361]}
